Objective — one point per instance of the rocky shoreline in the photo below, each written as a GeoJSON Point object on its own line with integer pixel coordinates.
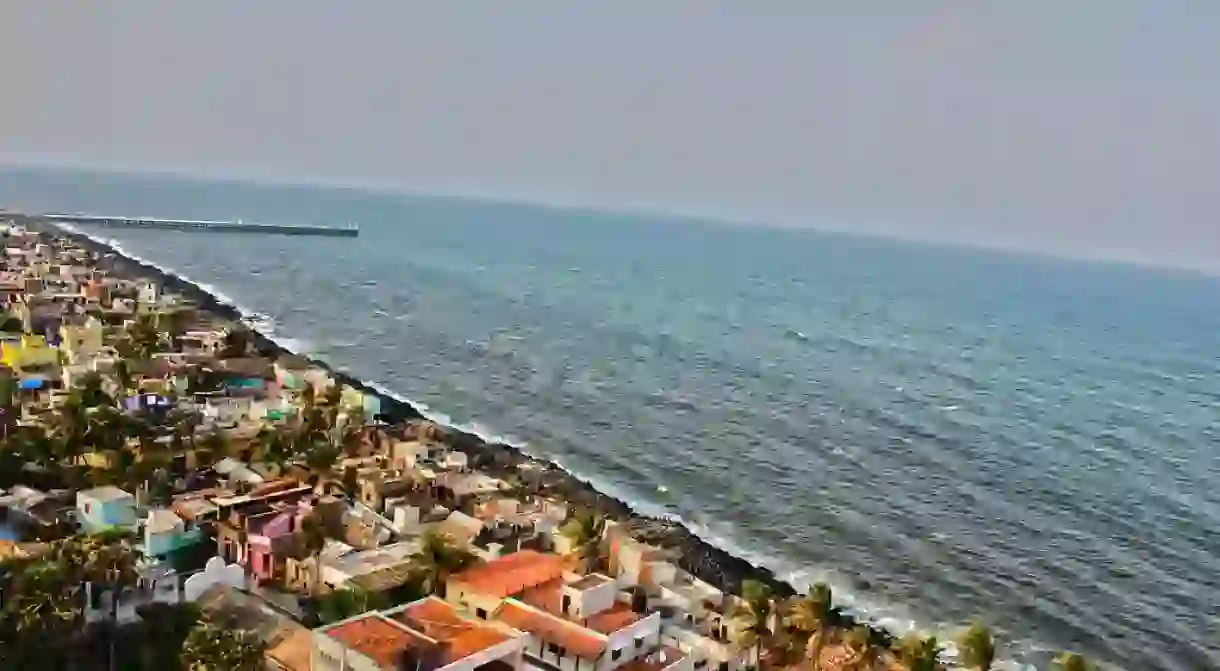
{"type": "Point", "coordinates": [694, 555]}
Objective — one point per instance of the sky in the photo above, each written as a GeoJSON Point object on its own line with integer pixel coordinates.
{"type": "Point", "coordinates": [1081, 127]}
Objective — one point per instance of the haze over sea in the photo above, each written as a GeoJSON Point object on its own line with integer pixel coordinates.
{"type": "Point", "coordinates": [945, 434]}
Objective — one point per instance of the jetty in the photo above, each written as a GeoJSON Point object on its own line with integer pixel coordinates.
{"type": "Point", "coordinates": [195, 225]}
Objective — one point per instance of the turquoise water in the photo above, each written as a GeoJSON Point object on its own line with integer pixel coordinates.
{"type": "Point", "coordinates": [945, 434]}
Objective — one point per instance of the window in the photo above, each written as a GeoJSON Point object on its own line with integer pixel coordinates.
{"type": "Point", "coordinates": [639, 643]}
{"type": "Point", "coordinates": [616, 654]}
{"type": "Point", "coordinates": [553, 649]}
{"type": "Point", "coordinates": [481, 613]}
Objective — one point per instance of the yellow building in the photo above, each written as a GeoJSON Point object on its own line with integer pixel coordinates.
{"type": "Point", "coordinates": [32, 352]}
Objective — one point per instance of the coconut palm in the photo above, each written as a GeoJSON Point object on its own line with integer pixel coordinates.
{"type": "Point", "coordinates": [977, 648]}
{"type": "Point", "coordinates": [752, 617]}
{"type": "Point", "coordinates": [865, 654]}
{"type": "Point", "coordinates": [142, 338]}
{"type": "Point", "coordinates": [1071, 661]}
{"type": "Point", "coordinates": [313, 535]}
{"type": "Point", "coordinates": [217, 646]}
{"type": "Point", "coordinates": [811, 615]}
{"type": "Point", "coordinates": [919, 653]}
{"type": "Point", "coordinates": [438, 558]}
{"type": "Point", "coordinates": [584, 532]}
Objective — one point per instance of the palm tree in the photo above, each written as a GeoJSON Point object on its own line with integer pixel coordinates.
{"type": "Point", "coordinates": [977, 648]}
{"type": "Point", "coordinates": [1071, 661]}
{"type": "Point", "coordinates": [142, 339]}
{"type": "Point", "coordinates": [919, 653]}
{"type": "Point", "coordinates": [313, 540]}
{"type": "Point", "coordinates": [584, 531]}
{"type": "Point", "coordinates": [811, 616]}
{"type": "Point", "coordinates": [438, 558]}
{"type": "Point", "coordinates": [752, 617]}
{"type": "Point", "coordinates": [216, 646]}
{"type": "Point", "coordinates": [859, 640]}
{"type": "Point", "coordinates": [40, 611]}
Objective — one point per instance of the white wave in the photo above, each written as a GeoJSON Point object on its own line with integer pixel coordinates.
{"type": "Point", "coordinates": [891, 617]}
{"type": "Point", "coordinates": [251, 318]}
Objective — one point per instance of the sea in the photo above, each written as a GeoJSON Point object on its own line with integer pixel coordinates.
{"type": "Point", "coordinates": [943, 434]}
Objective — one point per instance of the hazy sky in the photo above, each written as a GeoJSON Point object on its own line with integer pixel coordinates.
{"type": "Point", "coordinates": [1059, 124]}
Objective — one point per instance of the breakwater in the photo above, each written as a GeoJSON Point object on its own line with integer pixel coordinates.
{"type": "Point", "coordinates": [196, 225]}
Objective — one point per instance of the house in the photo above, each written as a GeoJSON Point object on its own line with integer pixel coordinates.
{"type": "Point", "coordinates": [165, 533]}
{"type": "Point", "coordinates": [481, 589]}
{"type": "Point", "coordinates": [427, 635]}
{"type": "Point", "coordinates": [376, 485]}
{"type": "Point", "coordinates": [378, 570]}
{"type": "Point", "coordinates": [287, 644]}
{"type": "Point", "coordinates": [457, 487]}
{"type": "Point", "coordinates": [610, 641]}
{"type": "Point", "coordinates": [81, 341]}
{"type": "Point", "coordinates": [252, 528]}
{"type": "Point", "coordinates": [634, 562]}
{"type": "Point", "coordinates": [32, 351]}
{"type": "Point", "coordinates": [405, 454]}
{"type": "Point", "coordinates": [104, 508]}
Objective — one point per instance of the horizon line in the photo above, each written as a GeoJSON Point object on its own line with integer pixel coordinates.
{"type": "Point", "coordinates": [813, 224]}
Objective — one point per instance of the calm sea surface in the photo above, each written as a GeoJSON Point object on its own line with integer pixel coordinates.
{"type": "Point", "coordinates": [944, 434]}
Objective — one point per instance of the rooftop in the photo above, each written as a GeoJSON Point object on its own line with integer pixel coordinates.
{"type": "Point", "coordinates": [549, 598]}
{"type": "Point", "coordinates": [512, 574]}
{"type": "Point", "coordinates": [590, 581]}
{"type": "Point", "coordinates": [377, 638]}
{"type": "Point", "coordinates": [458, 637]}
{"type": "Point", "coordinates": [105, 494]}
{"type": "Point", "coordinates": [662, 659]}
{"type": "Point", "coordinates": [572, 637]}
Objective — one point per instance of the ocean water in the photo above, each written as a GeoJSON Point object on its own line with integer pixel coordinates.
{"type": "Point", "coordinates": [943, 434]}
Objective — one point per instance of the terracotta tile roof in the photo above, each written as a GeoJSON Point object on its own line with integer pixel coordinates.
{"type": "Point", "coordinates": [573, 638]}
{"type": "Point", "coordinates": [376, 638]}
{"type": "Point", "coordinates": [549, 597]}
{"type": "Point", "coordinates": [512, 574]}
{"type": "Point", "coordinates": [458, 637]}
{"type": "Point", "coordinates": [612, 619]}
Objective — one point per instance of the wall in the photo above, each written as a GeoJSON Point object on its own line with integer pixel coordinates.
{"type": "Point", "coordinates": [648, 629]}
{"type": "Point", "coordinates": [462, 597]}
{"type": "Point", "coordinates": [509, 651]}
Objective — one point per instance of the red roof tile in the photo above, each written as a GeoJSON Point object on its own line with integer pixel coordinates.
{"type": "Point", "coordinates": [572, 637]}
{"type": "Point", "coordinates": [512, 574]}
{"type": "Point", "coordinates": [377, 639]}
{"type": "Point", "coordinates": [459, 637]}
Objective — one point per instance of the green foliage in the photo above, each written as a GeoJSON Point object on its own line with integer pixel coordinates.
{"type": "Point", "coordinates": [215, 645]}
{"type": "Point", "coordinates": [1071, 661]}
{"type": "Point", "coordinates": [977, 648]}
{"type": "Point", "coordinates": [344, 603]}
{"type": "Point", "coordinates": [438, 558]}
{"type": "Point", "coordinates": [584, 530]}
{"type": "Point", "coordinates": [920, 653]}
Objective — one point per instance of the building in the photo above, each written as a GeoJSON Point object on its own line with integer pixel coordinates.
{"type": "Point", "coordinates": [481, 589]}
{"type": "Point", "coordinates": [427, 635]}
{"type": "Point", "coordinates": [165, 533]}
{"type": "Point", "coordinates": [288, 644]}
{"type": "Point", "coordinates": [104, 508]}
{"type": "Point", "coordinates": [582, 624]}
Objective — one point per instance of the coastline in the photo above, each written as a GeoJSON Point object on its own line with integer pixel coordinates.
{"type": "Point", "coordinates": [695, 555]}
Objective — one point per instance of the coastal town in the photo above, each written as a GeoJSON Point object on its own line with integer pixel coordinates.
{"type": "Point", "coordinates": [177, 492]}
